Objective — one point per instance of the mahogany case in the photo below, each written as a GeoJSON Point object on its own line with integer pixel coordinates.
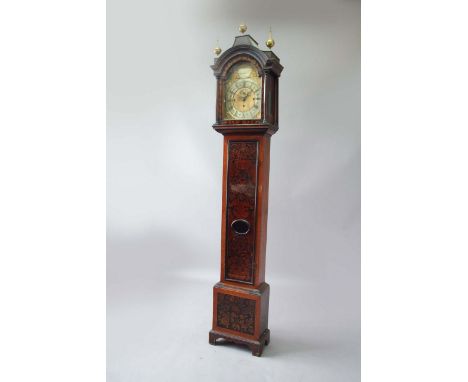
{"type": "Point", "coordinates": [241, 298]}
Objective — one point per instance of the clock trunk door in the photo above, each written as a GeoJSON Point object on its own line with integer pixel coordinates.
{"type": "Point", "coordinates": [241, 210]}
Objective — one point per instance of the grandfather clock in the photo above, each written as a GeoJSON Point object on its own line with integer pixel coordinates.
{"type": "Point", "coordinates": [247, 116]}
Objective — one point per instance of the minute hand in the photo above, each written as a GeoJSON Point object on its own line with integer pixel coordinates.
{"type": "Point", "coordinates": [246, 96]}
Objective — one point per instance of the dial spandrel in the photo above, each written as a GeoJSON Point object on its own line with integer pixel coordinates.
{"type": "Point", "coordinates": [242, 93]}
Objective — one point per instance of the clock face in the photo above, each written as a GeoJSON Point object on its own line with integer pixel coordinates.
{"type": "Point", "coordinates": [242, 93]}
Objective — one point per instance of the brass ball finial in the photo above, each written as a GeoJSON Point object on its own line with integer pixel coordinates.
{"type": "Point", "coordinates": [242, 28]}
{"type": "Point", "coordinates": [270, 43]}
{"type": "Point", "coordinates": [217, 50]}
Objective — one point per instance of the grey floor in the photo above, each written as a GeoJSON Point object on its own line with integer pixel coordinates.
{"type": "Point", "coordinates": [158, 318]}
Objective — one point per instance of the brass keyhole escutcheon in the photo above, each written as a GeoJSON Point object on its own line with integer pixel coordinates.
{"type": "Point", "coordinates": [240, 226]}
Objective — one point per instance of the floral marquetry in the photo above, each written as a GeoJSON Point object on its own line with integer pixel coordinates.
{"type": "Point", "coordinates": [236, 313]}
{"type": "Point", "coordinates": [241, 203]}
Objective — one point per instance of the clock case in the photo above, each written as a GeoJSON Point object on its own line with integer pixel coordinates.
{"type": "Point", "coordinates": [241, 298]}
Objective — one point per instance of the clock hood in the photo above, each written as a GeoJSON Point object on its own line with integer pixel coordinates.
{"type": "Point", "coordinates": [245, 45]}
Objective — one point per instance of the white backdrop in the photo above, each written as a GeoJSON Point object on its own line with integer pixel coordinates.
{"type": "Point", "coordinates": [164, 191]}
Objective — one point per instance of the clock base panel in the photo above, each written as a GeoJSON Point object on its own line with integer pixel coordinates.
{"type": "Point", "coordinates": [240, 315]}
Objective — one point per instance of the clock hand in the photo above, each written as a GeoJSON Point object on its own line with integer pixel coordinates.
{"type": "Point", "coordinates": [246, 95]}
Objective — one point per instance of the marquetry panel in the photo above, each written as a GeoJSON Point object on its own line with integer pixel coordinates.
{"type": "Point", "coordinates": [241, 210]}
{"type": "Point", "coordinates": [236, 313]}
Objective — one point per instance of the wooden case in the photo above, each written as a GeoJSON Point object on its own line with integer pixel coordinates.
{"type": "Point", "coordinates": [241, 298]}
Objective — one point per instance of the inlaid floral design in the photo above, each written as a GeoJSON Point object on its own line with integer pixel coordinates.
{"type": "Point", "coordinates": [241, 204]}
{"type": "Point", "coordinates": [236, 313]}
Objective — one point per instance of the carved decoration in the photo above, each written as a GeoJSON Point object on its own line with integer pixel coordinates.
{"type": "Point", "coordinates": [241, 204]}
{"type": "Point", "coordinates": [236, 313]}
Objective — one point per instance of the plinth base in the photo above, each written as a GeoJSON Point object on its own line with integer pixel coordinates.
{"type": "Point", "coordinates": [255, 346]}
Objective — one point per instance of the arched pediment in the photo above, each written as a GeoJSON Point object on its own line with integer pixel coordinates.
{"type": "Point", "coordinates": [267, 61]}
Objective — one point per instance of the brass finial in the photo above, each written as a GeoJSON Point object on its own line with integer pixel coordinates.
{"type": "Point", "coordinates": [270, 43]}
{"type": "Point", "coordinates": [217, 50]}
{"type": "Point", "coordinates": [242, 28]}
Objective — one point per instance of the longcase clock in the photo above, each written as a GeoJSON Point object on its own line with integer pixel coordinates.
{"type": "Point", "coordinates": [247, 117]}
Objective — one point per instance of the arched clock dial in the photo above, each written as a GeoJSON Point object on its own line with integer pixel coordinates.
{"type": "Point", "coordinates": [242, 93]}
